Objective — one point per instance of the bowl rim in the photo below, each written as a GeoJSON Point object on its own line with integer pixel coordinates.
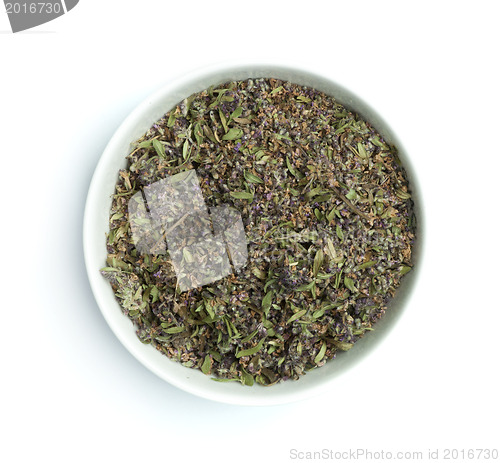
{"type": "Point", "coordinates": [128, 131]}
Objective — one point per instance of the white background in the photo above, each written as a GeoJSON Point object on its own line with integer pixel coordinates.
{"type": "Point", "coordinates": [70, 392]}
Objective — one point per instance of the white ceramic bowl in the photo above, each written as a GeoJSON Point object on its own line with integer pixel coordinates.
{"type": "Point", "coordinates": [97, 219]}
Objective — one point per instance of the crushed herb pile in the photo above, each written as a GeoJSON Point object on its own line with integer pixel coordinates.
{"type": "Point", "coordinates": [328, 218]}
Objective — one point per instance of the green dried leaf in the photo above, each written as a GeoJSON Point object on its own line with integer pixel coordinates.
{"type": "Point", "coordinates": [331, 215]}
{"type": "Point", "coordinates": [237, 112]}
{"type": "Point", "coordinates": [159, 148]}
{"type": "Point", "coordinates": [110, 269]}
{"type": "Point", "coordinates": [345, 346]}
{"type": "Point", "coordinates": [259, 273]}
{"type": "Point", "coordinates": [364, 265]}
{"type": "Point", "coordinates": [303, 98]}
{"type": "Point", "coordinates": [376, 141]}
{"type": "Point", "coordinates": [320, 312]}
{"type": "Point", "coordinates": [209, 309]}
{"type": "Point", "coordinates": [242, 195]}
{"type": "Point", "coordinates": [246, 378]}
{"type": "Point", "coordinates": [296, 316]}
{"type": "Point", "coordinates": [323, 198]}
{"type": "Point", "coordinates": [362, 151]}
{"type": "Point", "coordinates": [404, 270]}
{"type": "Point", "coordinates": [220, 92]}
{"type": "Point", "coordinates": [349, 284]}
{"type": "Point", "coordinates": [292, 169]}
{"type": "Point", "coordinates": [233, 134]}
{"type": "Point", "coordinates": [318, 261]}
{"type": "Point", "coordinates": [325, 276]}
{"type": "Point", "coordinates": [340, 233]}
{"type": "Point", "coordinates": [321, 353]}
{"type": "Point", "coordinates": [266, 300]}
{"type": "Point", "coordinates": [242, 120]}
{"type": "Point", "coordinates": [276, 90]}
{"type": "Point", "coordinates": [171, 119]}
{"type": "Point", "coordinates": [155, 293]}
{"type": "Point", "coordinates": [207, 365]}
{"type": "Point", "coordinates": [249, 177]}
{"type": "Point", "coordinates": [228, 327]}
{"type": "Point", "coordinates": [209, 134]}
{"type": "Point", "coordinates": [352, 195]}
{"type": "Point", "coordinates": [396, 230]}
{"type": "Point", "coordinates": [251, 351]}
{"type": "Point", "coordinates": [224, 122]}
{"type": "Point", "coordinates": [268, 283]}
{"type": "Point", "coordinates": [250, 336]}
{"type": "Point", "coordinates": [402, 194]}
{"type": "Point", "coordinates": [215, 355]}
{"type": "Point", "coordinates": [198, 133]}
{"type": "Point", "coordinates": [259, 155]}
{"type": "Point", "coordinates": [175, 330]}
{"type": "Point", "coordinates": [185, 150]}
{"type": "Point", "coordinates": [224, 380]}
{"type": "Point", "coordinates": [144, 144]}
{"type": "Point", "coordinates": [306, 287]}
{"type": "Point", "coordinates": [312, 193]}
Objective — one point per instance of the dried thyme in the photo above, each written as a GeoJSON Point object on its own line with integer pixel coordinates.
{"type": "Point", "coordinates": [327, 214]}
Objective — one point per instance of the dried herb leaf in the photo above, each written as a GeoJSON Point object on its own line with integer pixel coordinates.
{"type": "Point", "coordinates": [175, 330]}
{"type": "Point", "coordinates": [144, 144]}
{"type": "Point", "coordinates": [251, 351]}
{"type": "Point", "coordinates": [207, 365]}
{"type": "Point", "coordinates": [252, 178]}
{"type": "Point", "coordinates": [266, 300]}
{"type": "Point", "coordinates": [292, 169]}
{"type": "Point", "coordinates": [233, 134]}
{"type": "Point", "coordinates": [296, 316]}
{"type": "Point", "coordinates": [349, 284]}
{"type": "Point", "coordinates": [345, 346]}
{"type": "Point", "coordinates": [404, 270]}
{"type": "Point", "coordinates": [318, 261]}
{"type": "Point", "coordinates": [198, 133]}
{"type": "Point", "coordinates": [159, 148]}
{"type": "Point", "coordinates": [321, 353]}
{"type": "Point", "coordinates": [237, 112]}
{"type": "Point", "coordinates": [339, 233]}
{"type": "Point", "coordinates": [241, 195]}
{"type": "Point", "coordinates": [352, 195]}
{"type": "Point", "coordinates": [402, 194]}
{"type": "Point", "coordinates": [368, 264]}
{"type": "Point", "coordinates": [362, 151]}
{"type": "Point", "coordinates": [224, 124]}
{"type": "Point", "coordinates": [185, 150]}
{"type": "Point", "coordinates": [259, 273]}
{"type": "Point", "coordinates": [246, 378]}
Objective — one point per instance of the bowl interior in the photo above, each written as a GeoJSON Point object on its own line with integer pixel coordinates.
{"type": "Point", "coordinates": [96, 225]}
